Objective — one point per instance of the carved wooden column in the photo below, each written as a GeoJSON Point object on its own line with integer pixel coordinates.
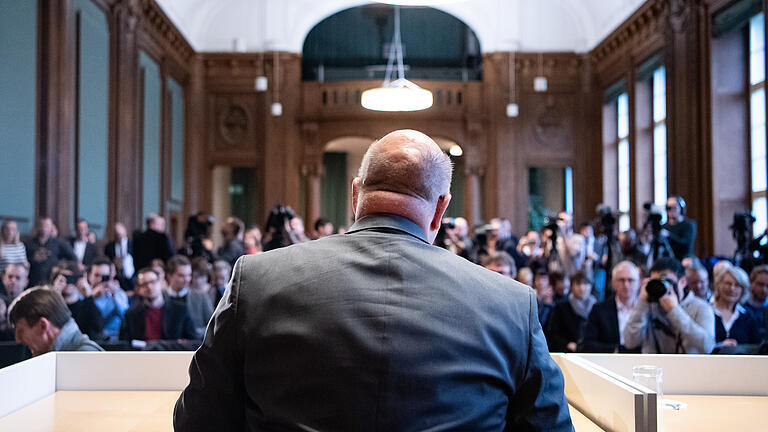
{"type": "Point", "coordinates": [124, 203]}
{"type": "Point", "coordinates": [474, 170]}
{"type": "Point", "coordinates": [56, 120]}
{"type": "Point", "coordinates": [312, 171]}
{"type": "Point", "coordinates": [473, 175]}
{"type": "Point", "coordinates": [689, 141]}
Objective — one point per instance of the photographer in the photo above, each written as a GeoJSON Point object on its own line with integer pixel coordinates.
{"type": "Point", "coordinates": [668, 319]}
{"type": "Point", "coordinates": [679, 230]}
{"type": "Point", "coordinates": [568, 249]}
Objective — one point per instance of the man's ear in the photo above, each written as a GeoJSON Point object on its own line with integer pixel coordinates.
{"type": "Point", "coordinates": [442, 205]}
{"type": "Point", "coordinates": [355, 190]}
{"type": "Point", "coordinates": [43, 325]}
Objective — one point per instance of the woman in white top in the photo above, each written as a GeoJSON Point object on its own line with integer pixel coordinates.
{"type": "Point", "coordinates": [733, 324]}
{"type": "Point", "coordinates": [12, 250]}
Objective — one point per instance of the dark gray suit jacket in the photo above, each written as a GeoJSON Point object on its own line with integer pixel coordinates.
{"type": "Point", "coordinates": [374, 330]}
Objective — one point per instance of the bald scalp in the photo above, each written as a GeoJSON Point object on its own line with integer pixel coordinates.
{"type": "Point", "coordinates": [406, 162]}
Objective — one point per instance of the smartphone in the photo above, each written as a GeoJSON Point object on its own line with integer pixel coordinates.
{"type": "Point", "coordinates": [106, 278]}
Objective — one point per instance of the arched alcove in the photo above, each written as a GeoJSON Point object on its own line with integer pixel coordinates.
{"type": "Point", "coordinates": [354, 44]}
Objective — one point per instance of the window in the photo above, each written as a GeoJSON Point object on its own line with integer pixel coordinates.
{"type": "Point", "coordinates": [659, 84]}
{"type": "Point", "coordinates": [623, 160]}
{"type": "Point", "coordinates": [759, 174]}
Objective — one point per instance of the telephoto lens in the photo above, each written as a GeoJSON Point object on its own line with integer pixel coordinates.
{"type": "Point", "coordinates": [656, 288]}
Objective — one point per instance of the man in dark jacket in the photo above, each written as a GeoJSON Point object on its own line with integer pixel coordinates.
{"type": "Point", "coordinates": [376, 329]}
{"type": "Point", "coordinates": [151, 244]}
{"type": "Point", "coordinates": [153, 317]}
{"type": "Point", "coordinates": [44, 251]}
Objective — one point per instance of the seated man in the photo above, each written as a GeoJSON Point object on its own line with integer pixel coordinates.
{"type": "Point", "coordinates": [566, 326]}
{"type": "Point", "coordinates": [676, 323]}
{"type": "Point", "coordinates": [108, 296]}
{"type": "Point", "coordinates": [44, 323]}
{"type": "Point", "coordinates": [15, 281]}
{"type": "Point", "coordinates": [71, 284]}
{"type": "Point", "coordinates": [152, 317]}
{"type": "Point", "coordinates": [758, 293]}
{"type": "Point", "coordinates": [605, 331]}
{"type": "Point", "coordinates": [199, 304]}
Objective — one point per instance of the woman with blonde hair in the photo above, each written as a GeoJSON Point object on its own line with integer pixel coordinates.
{"type": "Point", "coordinates": [733, 324]}
{"type": "Point", "coordinates": [12, 250]}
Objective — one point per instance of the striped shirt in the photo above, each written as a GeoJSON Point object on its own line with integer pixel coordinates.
{"type": "Point", "coordinates": [12, 253]}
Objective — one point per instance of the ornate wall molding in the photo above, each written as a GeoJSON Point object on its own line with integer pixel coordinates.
{"type": "Point", "coordinates": [644, 21]}
{"type": "Point", "coordinates": [163, 32]}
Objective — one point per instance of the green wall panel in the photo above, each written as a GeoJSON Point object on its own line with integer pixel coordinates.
{"type": "Point", "coordinates": [152, 117]}
{"type": "Point", "coordinates": [177, 140]}
{"type": "Point", "coordinates": [333, 204]}
{"type": "Point", "coordinates": [93, 111]}
{"type": "Point", "coordinates": [18, 73]}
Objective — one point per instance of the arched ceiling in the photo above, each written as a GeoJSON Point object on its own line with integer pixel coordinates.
{"type": "Point", "coordinates": [501, 25]}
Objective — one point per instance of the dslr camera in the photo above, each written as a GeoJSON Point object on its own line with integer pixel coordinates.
{"type": "Point", "coordinates": [656, 288]}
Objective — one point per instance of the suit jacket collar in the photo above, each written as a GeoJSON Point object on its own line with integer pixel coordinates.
{"type": "Point", "coordinates": [388, 221]}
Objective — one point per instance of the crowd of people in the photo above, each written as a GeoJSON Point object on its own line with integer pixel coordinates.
{"type": "Point", "coordinates": [140, 292]}
{"type": "Point", "coordinates": [597, 290]}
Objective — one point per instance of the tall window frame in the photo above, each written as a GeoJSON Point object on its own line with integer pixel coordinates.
{"type": "Point", "coordinates": [659, 102]}
{"type": "Point", "coordinates": [757, 124]}
{"type": "Point", "coordinates": [622, 147]}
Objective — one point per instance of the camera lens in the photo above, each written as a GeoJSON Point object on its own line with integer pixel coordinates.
{"type": "Point", "coordinates": [656, 288]}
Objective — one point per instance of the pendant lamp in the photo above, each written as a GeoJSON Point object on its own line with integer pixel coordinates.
{"type": "Point", "coordinates": [400, 94]}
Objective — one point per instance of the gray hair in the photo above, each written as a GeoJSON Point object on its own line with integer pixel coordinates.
{"type": "Point", "coordinates": [625, 264]}
{"type": "Point", "coordinates": [417, 167]}
{"type": "Point", "coordinates": [739, 275]}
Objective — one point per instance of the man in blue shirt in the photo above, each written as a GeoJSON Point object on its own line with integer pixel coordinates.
{"type": "Point", "coordinates": [108, 296]}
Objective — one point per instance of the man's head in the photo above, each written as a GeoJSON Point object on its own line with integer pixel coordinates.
{"type": "Point", "coordinates": [323, 227]}
{"type": "Point", "coordinates": [232, 229]}
{"type": "Point", "coordinates": [38, 315]}
{"type": "Point", "coordinates": [99, 271]}
{"type": "Point", "coordinates": [221, 273]}
{"type": "Point", "coordinates": [697, 279]}
{"type": "Point", "coordinates": [580, 286]}
{"type": "Point", "coordinates": [179, 272]}
{"type": "Point", "coordinates": [15, 279]}
{"type": "Point", "coordinates": [45, 227]}
{"type": "Point", "coordinates": [675, 209]}
{"type": "Point", "coordinates": [156, 223]}
{"type": "Point", "coordinates": [501, 263]}
{"type": "Point", "coordinates": [404, 173]}
{"type": "Point", "coordinates": [758, 284]}
{"type": "Point", "coordinates": [81, 229]}
{"type": "Point", "coordinates": [666, 268]}
{"type": "Point", "coordinates": [625, 281]}
{"type": "Point", "coordinates": [541, 284]}
{"type": "Point", "coordinates": [560, 283]}
{"type": "Point", "coordinates": [587, 230]}
{"type": "Point", "coordinates": [149, 284]}
{"type": "Point", "coordinates": [297, 224]}
{"type": "Point", "coordinates": [462, 226]}
{"type": "Point", "coordinates": [120, 231]}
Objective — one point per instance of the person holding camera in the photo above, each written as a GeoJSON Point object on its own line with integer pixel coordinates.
{"type": "Point", "coordinates": [679, 231]}
{"type": "Point", "coordinates": [78, 295]}
{"type": "Point", "coordinates": [667, 318]}
{"type": "Point", "coordinates": [111, 300]}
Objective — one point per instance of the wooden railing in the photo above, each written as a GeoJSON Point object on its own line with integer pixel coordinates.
{"type": "Point", "coordinates": [343, 98]}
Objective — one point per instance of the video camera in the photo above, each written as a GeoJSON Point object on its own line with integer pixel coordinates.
{"type": "Point", "coordinates": [655, 214]}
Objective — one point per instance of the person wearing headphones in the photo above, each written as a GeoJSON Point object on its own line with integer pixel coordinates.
{"type": "Point", "coordinates": [679, 230]}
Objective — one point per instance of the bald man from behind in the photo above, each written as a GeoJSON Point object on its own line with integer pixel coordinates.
{"type": "Point", "coordinates": [376, 329]}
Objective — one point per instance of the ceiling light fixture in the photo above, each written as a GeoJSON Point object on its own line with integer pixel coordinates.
{"type": "Point", "coordinates": [400, 94]}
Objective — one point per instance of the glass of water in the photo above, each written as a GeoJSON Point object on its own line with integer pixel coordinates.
{"type": "Point", "coordinates": [649, 376]}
